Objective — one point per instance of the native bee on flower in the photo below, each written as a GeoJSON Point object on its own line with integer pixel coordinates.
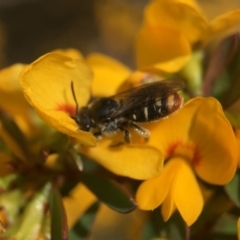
{"type": "Point", "coordinates": [126, 110]}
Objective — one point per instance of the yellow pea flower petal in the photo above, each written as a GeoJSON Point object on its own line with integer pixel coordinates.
{"type": "Point", "coordinates": [151, 193]}
{"type": "Point", "coordinates": [12, 144]}
{"type": "Point", "coordinates": [218, 157]}
{"type": "Point", "coordinates": [176, 187]}
{"type": "Point", "coordinates": [223, 25]}
{"type": "Point", "coordinates": [46, 85]}
{"type": "Point", "coordinates": [138, 162]}
{"type": "Point", "coordinates": [70, 52]}
{"type": "Point", "coordinates": [199, 134]}
{"type": "Point", "coordinates": [168, 206]}
{"type": "Point", "coordinates": [109, 74]}
{"type": "Point", "coordinates": [183, 16]}
{"type": "Point", "coordinates": [186, 19]}
{"type": "Point", "coordinates": [191, 3]}
{"type": "Point", "coordinates": [187, 194]}
{"type": "Point", "coordinates": [161, 49]}
{"type": "Point", "coordinates": [78, 201]}
{"type": "Point", "coordinates": [12, 99]}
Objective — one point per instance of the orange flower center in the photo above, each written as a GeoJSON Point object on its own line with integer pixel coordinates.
{"type": "Point", "coordinates": [188, 151]}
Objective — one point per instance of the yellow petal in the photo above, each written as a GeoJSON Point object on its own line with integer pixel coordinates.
{"type": "Point", "coordinates": [193, 4]}
{"type": "Point", "coordinates": [79, 200]}
{"type": "Point", "coordinates": [151, 193]}
{"type": "Point", "coordinates": [109, 74]}
{"type": "Point", "coordinates": [138, 162]}
{"type": "Point", "coordinates": [183, 16]}
{"type": "Point", "coordinates": [223, 25]}
{"type": "Point", "coordinates": [186, 192]}
{"type": "Point", "coordinates": [70, 52]}
{"type": "Point", "coordinates": [46, 84]}
{"type": "Point", "coordinates": [238, 227]}
{"type": "Point", "coordinates": [12, 144]}
{"type": "Point", "coordinates": [201, 124]}
{"type": "Point", "coordinates": [12, 99]}
{"type": "Point", "coordinates": [163, 134]}
{"type": "Point", "coordinates": [218, 157]}
{"type": "Point", "coordinates": [161, 49]}
{"type": "Point", "coordinates": [168, 206]}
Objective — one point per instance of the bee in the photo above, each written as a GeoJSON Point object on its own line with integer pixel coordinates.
{"type": "Point", "coordinates": [126, 110]}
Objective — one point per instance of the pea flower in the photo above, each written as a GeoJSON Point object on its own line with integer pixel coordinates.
{"type": "Point", "coordinates": [19, 152]}
{"type": "Point", "coordinates": [198, 142]}
{"type": "Point", "coordinates": [46, 84]}
{"type": "Point", "coordinates": [173, 29]}
{"type": "Point", "coordinates": [13, 103]}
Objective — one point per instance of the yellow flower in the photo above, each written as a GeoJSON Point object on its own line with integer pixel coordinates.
{"type": "Point", "coordinates": [71, 203]}
{"type": "Point", "coordinates": [172, 29]}
{"type": "Point", "coordinates": [14, 106]}
{"type": "Point", "coordinates": [46, 85]}
{"type": "Point", "coordinates": [109, 74]}
{"type": "Point", "coordinates": [196, 142]}
{"type": "Point", "coordinates": [12, 99]}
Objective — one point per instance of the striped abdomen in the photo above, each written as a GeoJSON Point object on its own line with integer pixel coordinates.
{"type": "Point", "coordinates": [160, 108]}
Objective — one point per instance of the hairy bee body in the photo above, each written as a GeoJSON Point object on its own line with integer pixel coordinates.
{"type": "Point", "coordinates": [124, 111]}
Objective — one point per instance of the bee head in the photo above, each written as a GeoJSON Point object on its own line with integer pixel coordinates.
{"type": "Point", "coordinates": [83, 119]}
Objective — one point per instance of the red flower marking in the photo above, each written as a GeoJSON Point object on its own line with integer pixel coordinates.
{"type": "Point", "coordinates": [68, 108]}
{"type": "Point", "coordinates": [173, 151]}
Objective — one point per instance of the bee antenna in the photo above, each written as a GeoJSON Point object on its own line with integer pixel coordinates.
{"type": "Point", "coordinates": [74, 97]}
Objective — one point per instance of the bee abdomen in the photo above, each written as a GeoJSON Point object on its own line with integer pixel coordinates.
{"type": "Point", "coordinates": [160, 108]}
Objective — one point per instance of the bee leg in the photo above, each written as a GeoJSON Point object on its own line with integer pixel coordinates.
{"type": "Point", "coordinates": [127, 135]}
{"type": "Point", "coordinates": [98, 135]}
{"type": "Point", "coordinates": [141, 131]}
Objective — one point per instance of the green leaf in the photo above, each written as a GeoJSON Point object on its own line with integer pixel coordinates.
{"type": "Point", "coordinates": [82, 228]}
{"type": "Point", "coordinates": [12, 201]}
{"type": "Point", "coordinates": [233, 118]}
{"type": "Point", "coordinates": [57, 142]}
{"type": "Point", "coordinates": [157, 228]}
{"type": "Point", "coordinates": [59, 228]}
{"type": "Point", "coordinates": [222, 237]}
{"type": "Point", "coordinates": [233, 189]}
{"type": "Point", "coordinates": [226, 224]}
{"type": "Point", "coordinates": [110, 193]}
{"type": "Point", "coordinates": [214, 208]}
{"type": "Point", "coordinates": [28, 225]}
{"type": "Point", "coordinates": [5, 182]}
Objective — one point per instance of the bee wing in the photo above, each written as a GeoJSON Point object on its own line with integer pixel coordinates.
{"type": "Point", "coordinates": [145, 95]}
